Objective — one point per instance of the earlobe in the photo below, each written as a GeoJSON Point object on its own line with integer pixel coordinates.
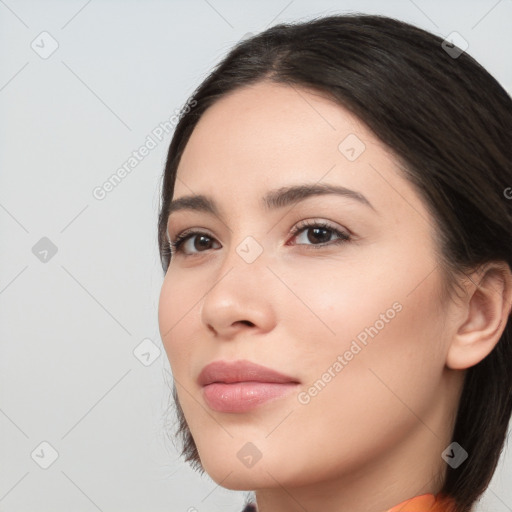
{"type": "Point", "coordinates": [486, 311]}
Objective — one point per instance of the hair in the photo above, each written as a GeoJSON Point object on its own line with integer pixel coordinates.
{"type": "Point", "coordinates": [448, 124]}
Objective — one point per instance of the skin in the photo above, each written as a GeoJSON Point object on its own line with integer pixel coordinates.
{"type": "Point", "coordinates": [374, 434]}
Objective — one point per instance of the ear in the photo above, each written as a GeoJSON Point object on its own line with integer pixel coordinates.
{"type": "Point", "coordinates": [484, 314]}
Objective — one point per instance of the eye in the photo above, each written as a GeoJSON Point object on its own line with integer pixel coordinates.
{"type": "Point", "coordinates": [188, 240]}
{"type": "Point", "coordinates": [318, 233]}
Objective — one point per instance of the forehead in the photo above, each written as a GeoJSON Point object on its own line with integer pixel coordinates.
{"type": "Point", "coordinates": [269, 135]}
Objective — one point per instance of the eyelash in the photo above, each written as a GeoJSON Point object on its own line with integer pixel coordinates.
{"type": "Point", "coordinates": [175, 246]}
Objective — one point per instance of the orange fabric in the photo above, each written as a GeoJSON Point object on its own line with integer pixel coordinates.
{"type": "Point", "coordinates": [425, 503]}
{"type": "Point", "coordinates": [422, 503]}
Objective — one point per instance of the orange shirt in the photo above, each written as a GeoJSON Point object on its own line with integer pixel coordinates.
{"type": "Point", "coordinates": [421, 503]}
{"type": "Point", "coordinates": [425, 503]}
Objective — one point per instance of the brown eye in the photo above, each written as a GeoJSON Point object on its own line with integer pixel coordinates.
{"type": "Point", "coordinates": [189, 243]}
{"type": "Point", "coordinates": [318, 234]}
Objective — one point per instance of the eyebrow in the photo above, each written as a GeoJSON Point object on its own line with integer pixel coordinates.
{"type": "Point", "coordinates": [273, 200]}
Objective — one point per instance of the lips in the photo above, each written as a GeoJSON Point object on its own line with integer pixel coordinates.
{"type": "Point", "coordinates": [241, 386]}
{"type": "Point", "coordinates": [240, 371]}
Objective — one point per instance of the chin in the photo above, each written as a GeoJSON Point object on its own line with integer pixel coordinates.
{"type": "Point", "coordinates": [243, 479]}
{"type": "Point", "coordinates": [239, 465]}
{"type": "Point", "coordinates": [231, 467]}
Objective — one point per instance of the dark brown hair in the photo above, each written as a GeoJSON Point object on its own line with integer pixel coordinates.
{"type": "Point", "coordinates": [448, 123]}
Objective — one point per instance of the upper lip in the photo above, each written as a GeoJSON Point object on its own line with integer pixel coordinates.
{"type": "Point", "coordinates": [240, 371]}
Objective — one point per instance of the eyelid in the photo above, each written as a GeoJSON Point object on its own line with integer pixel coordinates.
{"type": "Point", "coordinates": [186, 231]}
{"type": "Point", "coordinates": [317, 221]}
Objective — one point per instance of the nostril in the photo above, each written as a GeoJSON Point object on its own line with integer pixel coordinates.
{"type": "Point", "coordinates": [246, 322]}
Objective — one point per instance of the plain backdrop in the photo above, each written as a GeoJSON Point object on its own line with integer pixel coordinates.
{"type": "Point", "coordinates": [85, 382]}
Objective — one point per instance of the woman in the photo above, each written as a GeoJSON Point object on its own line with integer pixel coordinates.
{"type": "Point", "coordinates": [337, 241]}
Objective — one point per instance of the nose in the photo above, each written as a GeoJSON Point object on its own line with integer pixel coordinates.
{"type": "Point", "coordinates": [240, 298]}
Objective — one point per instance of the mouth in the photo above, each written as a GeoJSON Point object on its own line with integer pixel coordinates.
{"type": "Point", "coordinates": [241, 386]}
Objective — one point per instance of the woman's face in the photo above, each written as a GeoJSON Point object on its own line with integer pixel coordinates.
{"type": "Point", "coordinates": [355, 325]}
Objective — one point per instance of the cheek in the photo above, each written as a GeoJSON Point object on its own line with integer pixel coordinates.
{"type": "Point", "coordinates": [176, 322]}
{"type": "Point", "coordinates": [175, 317]}
{"type": "Point", "coordinates": [370, 349]}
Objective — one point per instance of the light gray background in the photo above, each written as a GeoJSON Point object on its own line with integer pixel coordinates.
{"type": "Point", "coordinates": [70, 325]}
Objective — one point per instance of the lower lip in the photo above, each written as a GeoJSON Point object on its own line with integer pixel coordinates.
{"type": "Point", "coordinates": [243, 396]}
